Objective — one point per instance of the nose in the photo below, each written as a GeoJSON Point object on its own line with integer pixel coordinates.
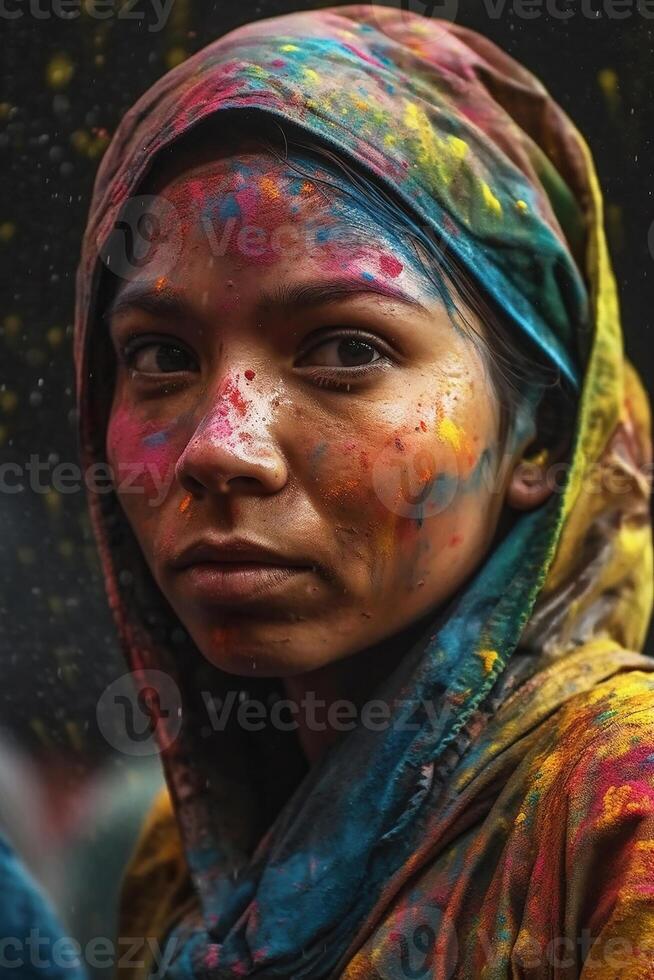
{"type": "Point", "coordinates": [231, 453]}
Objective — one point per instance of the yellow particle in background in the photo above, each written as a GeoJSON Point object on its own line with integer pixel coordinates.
{"type": "Point", "coordinates": [607, 80]}
{"type": "Point", "coordinates": [52, 501]}
{"type": "Point", "coordinates": [55, 336]}
{"type": "Point", "coordinates": [25, 554]}
{"type": "Point", "coordinates": [175, 57]}
{"type": "Point", "coordinates": [80, 140]}
{"type": "Point", "coordinates": [97, 146]}
{"type": "Point", "coordinates": [59, 71]}
{"type": "Point", "coordinates": [55, 604]}
{"type": "Point", "coordinates": [289, 47]}
{"type": "Point", "coordinates": [5, 109]}
{"type": "Point", "coordinates": [66, 548]}
{"type": "Point", "coordinates": [4, 432]}
{"type": "Point", "coordinates": [73, 733]}
{"type": "Point", "coordinates": [11, 324]}
{"type": "Point", "coordinates": [41, 731]}
{"type": "Point", "coordinates": [8, 401]}
{"type": "Point", "coordinates": [7, 231]}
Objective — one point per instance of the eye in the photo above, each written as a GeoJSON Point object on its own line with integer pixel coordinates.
{"type": "Point", "coordinates": [345, 352]}
{"type": "Point", "coordinates": [156, 356]}
{"type": "Point", "coordinates": [342, 352]}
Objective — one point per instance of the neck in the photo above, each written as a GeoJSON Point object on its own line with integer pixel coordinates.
{"type": "Point", "coordinates": [352, 680]}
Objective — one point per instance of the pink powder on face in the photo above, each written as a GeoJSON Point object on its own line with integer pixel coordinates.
{"type": "Point", "coordinates": [390, 266]}
{"type": "Point", "coordinates": [136, 463]}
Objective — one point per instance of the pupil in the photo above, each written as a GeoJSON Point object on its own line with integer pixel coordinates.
{"type": "Point", "coordinates": [170, 358]}
{"type": "Point", "coordinates": [353, 352]}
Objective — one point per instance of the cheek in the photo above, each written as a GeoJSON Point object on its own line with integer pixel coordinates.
{"type": "Point", "coordinates": [142, 455]}
{"type": "Point", "coordinates": [408, 492]}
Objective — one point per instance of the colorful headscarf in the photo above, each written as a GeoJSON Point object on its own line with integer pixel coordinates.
{"type": "Point", "coordinates": [455, 845]}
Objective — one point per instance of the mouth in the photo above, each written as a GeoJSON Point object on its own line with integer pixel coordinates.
{"type": "Point", "coordinates": [235, 572]}
{"type": "Point", "coordinates": [239, 582]}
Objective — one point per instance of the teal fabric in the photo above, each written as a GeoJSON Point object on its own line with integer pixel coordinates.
{"type": "Point", "coordinates": [32, 941]}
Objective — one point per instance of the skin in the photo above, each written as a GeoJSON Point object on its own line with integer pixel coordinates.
{"type": "Point", "coordinates": [385, 480]}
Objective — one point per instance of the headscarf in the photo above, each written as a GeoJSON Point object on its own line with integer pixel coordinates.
{"type": "Point", "coordinates": [420, 830]}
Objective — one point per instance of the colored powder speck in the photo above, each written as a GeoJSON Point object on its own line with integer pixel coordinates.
{"type": "Point", "coordinates": [318, 453]}
{"type": "Point", "coordinates": [156, 439]}
{"type": "Point", "coordinates": [185, 503]}
{"type": "Point", "coordinates": [269, 188]}
{"type": "Point", "coordinates": [491, 202]}
{"type": "Point", "coordinates": [390, 266]}
{"type": "Point", "coordinates": [450, 432]}
{"type": "Point", "coordinates": [249, 374]}
{"type": "Point", "coordinates": [229, 207]}
{"type": "Point", "coordinates": [488, 658]}
{"type": "Point", "coordinates": [368, 276]}
{"type": "Point", "coordinates": [455, 540]}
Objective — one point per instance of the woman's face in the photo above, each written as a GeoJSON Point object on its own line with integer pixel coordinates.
{"type": "Point", "coordinates": [293, 398]}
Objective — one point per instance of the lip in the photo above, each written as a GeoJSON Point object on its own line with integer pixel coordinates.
{"type": "Point", "coordinates": [236, 570]}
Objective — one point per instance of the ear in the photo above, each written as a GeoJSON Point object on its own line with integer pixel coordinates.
{"type": "Point", "coordinates": [529, 485]}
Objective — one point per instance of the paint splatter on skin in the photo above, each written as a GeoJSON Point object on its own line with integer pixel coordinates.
{"type": "Point", "coordinates": [156, 439]}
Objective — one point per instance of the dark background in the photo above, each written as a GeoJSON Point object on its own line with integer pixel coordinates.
{"type": "Point", "coordinates": [66, 84]}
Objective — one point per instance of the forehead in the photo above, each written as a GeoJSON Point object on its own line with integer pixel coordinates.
{"type": "Point", "coordinates": [249, 204]}
{"type": "Point", "coordinates": [254, 186]}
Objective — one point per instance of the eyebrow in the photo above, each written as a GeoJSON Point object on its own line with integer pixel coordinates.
{"type": "Point", "coordinates": [167, 301]}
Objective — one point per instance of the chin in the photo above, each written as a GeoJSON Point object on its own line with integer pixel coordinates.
{"type": "Point", "coordinates": [253, 650]}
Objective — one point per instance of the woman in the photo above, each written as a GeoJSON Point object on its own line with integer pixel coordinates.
{"type": "Point", "coordinates": [348, 340]}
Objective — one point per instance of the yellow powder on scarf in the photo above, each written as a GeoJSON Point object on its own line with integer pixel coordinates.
{"type": "Point", "coordinates": [488, 658]}
{"type": "Point", "coordinates": [491, 202]}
